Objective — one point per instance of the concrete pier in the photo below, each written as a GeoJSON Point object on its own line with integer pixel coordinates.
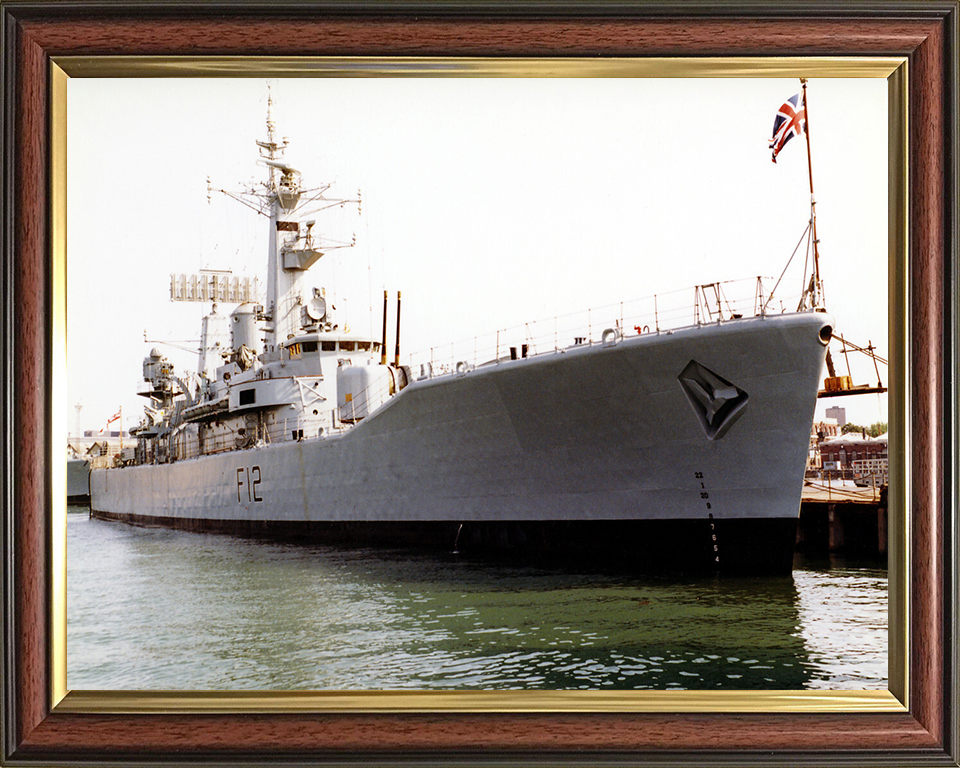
{"type": "Point", "coordinates": [842, 519]}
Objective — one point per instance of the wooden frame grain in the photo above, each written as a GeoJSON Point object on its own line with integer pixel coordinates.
{"type": "Point", "coordinates": [35, 33]}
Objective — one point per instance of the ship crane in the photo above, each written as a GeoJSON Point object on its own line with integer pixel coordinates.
{"type": "Point", "coordinates": [839, 386]}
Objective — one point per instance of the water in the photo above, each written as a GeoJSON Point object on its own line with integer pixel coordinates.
{"type": "Point", "coordinates": [159, 609]}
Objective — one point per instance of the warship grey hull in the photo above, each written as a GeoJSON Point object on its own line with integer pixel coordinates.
{"type": "Point", "coordinates": [78, 480]}
{"type": "Point", "coordinates": [738, 546]}
{"type": "Point", "coordinates": [682, 448]}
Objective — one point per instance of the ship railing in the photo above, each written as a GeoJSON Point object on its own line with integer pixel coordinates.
{"type": "Point", "coordinates": [702, 304]}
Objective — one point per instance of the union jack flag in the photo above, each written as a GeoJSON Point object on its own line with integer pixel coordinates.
{"type": "Point", "coordinates": [791, 120]}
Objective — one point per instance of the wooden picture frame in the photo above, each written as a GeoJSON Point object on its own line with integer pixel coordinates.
{"type": "Point", "coordinates": [918, 722]}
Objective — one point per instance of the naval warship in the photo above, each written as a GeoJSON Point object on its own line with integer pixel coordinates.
{"type": "Point", "coordinates": [673, 448]}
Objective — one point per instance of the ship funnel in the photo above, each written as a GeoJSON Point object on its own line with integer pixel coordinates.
{"type": "Point", "coordinates": [383, 348]}
{"type": "Point", "coordinates": [397, 353]}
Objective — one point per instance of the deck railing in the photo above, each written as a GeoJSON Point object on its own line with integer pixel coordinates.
{"type": "Point", "coordinates": [699, 305]}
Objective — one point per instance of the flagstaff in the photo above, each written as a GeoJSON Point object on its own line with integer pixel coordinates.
{"type": "Point", "coordinates": [817, 290]}
{"type": "Point", "coordinates": [793, 119]}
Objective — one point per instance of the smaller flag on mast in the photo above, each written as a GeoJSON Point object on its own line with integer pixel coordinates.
{"type": "Point", "coordinates": [112, 419]}
{"type": "Point", "coordinates": [791, 120]}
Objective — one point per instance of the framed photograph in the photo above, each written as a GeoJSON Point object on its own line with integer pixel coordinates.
{"type": "Point", "coordinates": [48, 47]}
{"type": "Point", "coordinates": [502, 210]}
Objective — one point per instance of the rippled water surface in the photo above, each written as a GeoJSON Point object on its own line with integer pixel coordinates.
{"type": "Point", "coordinates": [160, 609]}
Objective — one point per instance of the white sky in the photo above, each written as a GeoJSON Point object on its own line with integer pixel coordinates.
{"type": "Point", "coordinates": [487, 202]}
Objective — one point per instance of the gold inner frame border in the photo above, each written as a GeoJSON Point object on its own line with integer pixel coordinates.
{"type": "Point", "coordinates": [895, 699]}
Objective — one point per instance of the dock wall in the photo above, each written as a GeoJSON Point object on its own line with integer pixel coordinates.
{"type": "Point", "coordinates": [843, 526]}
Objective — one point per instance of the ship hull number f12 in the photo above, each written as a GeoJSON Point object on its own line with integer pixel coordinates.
{"type": "Point", "coordinates": [248, 484]}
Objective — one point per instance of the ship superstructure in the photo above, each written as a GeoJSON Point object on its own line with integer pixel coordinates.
{"type": "Point", "coordinates": [680, 446]}
{"type": "Point", "coordinates": [283, 371]}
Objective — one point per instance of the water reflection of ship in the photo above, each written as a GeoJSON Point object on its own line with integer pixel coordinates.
{"type": "Point", "coordinates": [691, 634]}
{"type": "Point", "coordinates": [431, 621]}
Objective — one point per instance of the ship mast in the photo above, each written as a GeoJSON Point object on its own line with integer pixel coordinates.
{"type": "Point", "coordinates": [284, 300]}
{"type": "Point", "coordinates": [292, 248]}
